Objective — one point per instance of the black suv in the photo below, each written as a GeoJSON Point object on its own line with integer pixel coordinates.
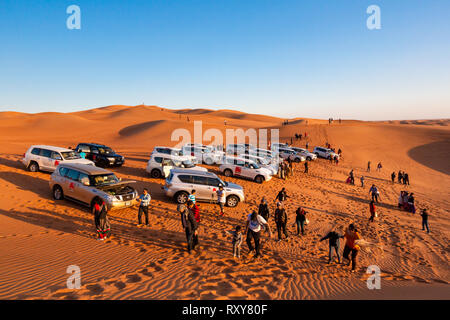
{"type": "Point", "coordinates": [102, 155]}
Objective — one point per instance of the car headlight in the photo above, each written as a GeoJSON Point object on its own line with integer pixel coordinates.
{"type": "Point", "coordinates": [111, 159]}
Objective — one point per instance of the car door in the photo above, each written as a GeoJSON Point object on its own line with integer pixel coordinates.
{"type": "Point", "coordinates": [83, 189]}
{"type": "Point", "coordinates": [46, 161]}
{"type": "Point", "coordinates": [214, 183]}
{"type": "Point", "coordinates": [203, 190]}
{"type": "Point", "coordinates": [56, 159]}
{"type": "Point", "coordinates": [73, 184]}
{"type": "Point", "coordinates": [238, 166]}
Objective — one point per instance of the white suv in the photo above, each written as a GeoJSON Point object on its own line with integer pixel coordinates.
{"type": "Point", "coordinates": [203, 154]}
{"type": "Point", "coordinates": [47, 158]}
{"type": "Point", "coordinates": [305, 153]}
{"type": "Point", "coordinates": [181, 182]}
{"type": "Point", "coordinates": [324, 153]}
{"type": "Point", "coordinates": [288, 153]}
{"type": "Point", "coordinates": [262, 162]}
{"type": "Point", "coordinates": [240, 167]}
{"type": "Point", "coordinates": [160, 164]}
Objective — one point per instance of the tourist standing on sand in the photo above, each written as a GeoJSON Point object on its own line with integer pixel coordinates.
{"type": "Point", "coordinates": [351, 235]}
{"type": "Point", "coordinates": [253, 230]}
{"type": "Point", "coordinates": [362, 181]}
{"type": "Point", "coordinates": [406, 179]}
{"type": "Point", "coordinates": [286, 171]}
{"type": "Point", "coordinates": [101, 221]}
{"type": "Point", "coordinates": [333, 244]}
{"type": "Point", "coordinates": [368, 166]}
{"type": "Point", "coordinates": [374, 192]}
{"type": "Point", "coordinates": [411, 206]}
{"type": "Point", "coordinates": [195, 210]}
{"type": "Point", "coordinates": [263, 209]}
{"type": "Point", "coordinates": [191, 197]}
{"type": "Point", "coordinates": [144, 202]}
{"type": "Point", "coordinates": [393, 177]}
{"type": "Point", "coordinates": [189, 225]}
{"type": "Point", "coordinates": [236, 241]}
{"type": "Point", "coordinates": [300, 219]}
{"type": "Point", "coordinates": [281, 220]}
{"type": "Point", "coordinates": [352, 177]}
{"type": "Point", "coordinates": [399, 177]}
{"type": "Point", "coordinates": [424, 215]}
{"type": "Point", "coordinates": [306, 167]}
{"type": "Point", "coordinates": [379, 166]}
{"type": "Point", "coordinates": [307, 146]}
{"type": "Point", "coordinates": [221, 199]}
{"type": "Point", "coordinates": [281, 196]}
{"type": "Point", "coordinates": [372, 210]}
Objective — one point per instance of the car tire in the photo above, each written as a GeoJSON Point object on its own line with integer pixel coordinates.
{"type": "Point", "coordinates": [308, 158]}
{"type": "Point", "coordinates": [209, 161]}
{"type": "Point", "coordinates": [232, 201]}
{"type": "Point", "coordinates": [259, 179]}
{"type": "Point", "coordinates": [156, 173]}
{"type": "Point", "coordinates": [181, 197]}
{"type": "Point", "coordinates": [228, 173]}
{"type": "Point", "coordinates": [33, 167]}
{"type": "Point", "coordinates": [316, 154]}
{"type": "Point", "coordinates": [58, 193]}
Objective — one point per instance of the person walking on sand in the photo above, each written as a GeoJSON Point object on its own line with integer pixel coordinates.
{"type": "Point", "coordinates": [374, 192]}
{"type": "Point", "coordinates": [411, 205]}
{"type": "Point", "coordinates": [351, 235]}
{"type": "Point", "coordinates": [195, 210]}
{"type": "Point", "coordinates": [333, 244]}
{"type": "Point", "coordinates": [263, 209]}
{"type": "Point", "coordinates": [406, 177]}
{"type": "Point", "coordinates": [393, 177]}
{"type": "Point", "coordinates": [362, 181]}
{"type": "Point", "coordinates": [221, 199]}
{"type": "Point", "coordinates": [101, 220]}
{"type": "Point", "coordinates": [306, 167]}
{"type": "Point", "coordinates": [281, 196]}
{"type": "Point", "coordinates": [300, 219]}
{"type": "Point", "coordinates": [252, 231]}
{"type": "Point", "coordinates": [379, 166]}
{"type": "Point", "coordinates": [144, 202]}
{"type": "Point", "coordinates": [368, 166]}
{"type": "Point", "coordinates": [424, 215]}
{"type": "Point", "coordinates": [191, 197]}
{"type": "Point", "coordinates": [352, 177]}
{"type": "Point", "coordinates": [399, 176]}
{"type": "Point", "coordinates": [372, 210]}
{"type": "Point", "coordinates": [336, 160]}
{"type": "Point", "coordinates": [307, 145]}
{"type": "Point", "coordinates": [281, 221]}
{"type": "Point", "coordinates": [236, 241]}
{"type": "Point", "coordinates": [189, 225]}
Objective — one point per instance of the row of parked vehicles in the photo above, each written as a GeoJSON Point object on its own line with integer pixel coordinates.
{"type": "Point", "coordinates": [80, 175]}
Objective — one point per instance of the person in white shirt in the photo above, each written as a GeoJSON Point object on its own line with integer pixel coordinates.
{"type": "Point", "coordinates": [221, 199]}
{"type": "Point", "coordinates": [253, 229]}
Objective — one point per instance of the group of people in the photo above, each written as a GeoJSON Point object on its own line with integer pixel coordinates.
{"type": "Point", "coordinates": [285, 169]}
{"type": "Point", "coordinates": [406, 201]}
{"type": "Point", "coordinates": [379, 166]}
{"type": "Point", "coordinates": [402, 177]}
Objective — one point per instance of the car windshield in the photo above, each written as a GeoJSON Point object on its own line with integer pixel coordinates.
{"type": "Point", "coordinates": [70, 155]}
{"type": "Point", "coordinates": [104, 179]}
{"type": "Point", "coordinates": [184, 164]}
{"type": "Point", "coordinates": [105, 150]}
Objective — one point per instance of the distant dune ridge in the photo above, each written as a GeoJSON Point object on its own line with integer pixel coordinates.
{"type": "Point", "coordinates": [40, 238]}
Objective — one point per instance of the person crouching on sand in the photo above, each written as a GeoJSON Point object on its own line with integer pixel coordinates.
{"type": "Point", "coordinates": [351, 235]}
{"type": "Point", "coordinates": [333, 243]}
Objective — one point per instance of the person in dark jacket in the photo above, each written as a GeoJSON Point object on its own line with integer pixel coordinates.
{"type": "Point", "coordinates": [424, 215]}
{"type": "Point", "coordinates": [281, 196]}
{"type": "Point", "coordinates": [334, 244]}
{"type": "Point", "coordinates": [399, 176]}
{"type": "Point", "coordinates": [300, 219]}
{"type": "Point", "coordinates": [189, 225]}
{"type": "Point", "coordinates": [406, 178]}
{"type": "Point", "coordinates": [393, 177]}
{"type": "Point", "coordinates": [195, 210]}
{"type": "Point", "coordinates": [101, 220]}
{"type": "Point", "coordinates": [263, 209]}
{"type": "Point", "coordinates": [372, 210]}
{"type": "Point", "coordinates": [281, 220]}
{"type": "Point", "coordinates": [306, 167]}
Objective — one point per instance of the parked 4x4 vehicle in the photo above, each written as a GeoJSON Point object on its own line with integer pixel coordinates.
{"type": "Point", "coordinates": [286, 153]}
{"type": "Point", "coordinates": [89, 185]}
{"type": "Point", "coordinates": [102, 155]}
{"type": "Point", "coordinates": [205, 155]}
{"type": "Point", "coordinates": [181, 182]}
{"type": "Point", "coordinates": [47, 158]}
{"type": "Point", "coordinates": [325, 153]}
{"type": "Point", "coordinates": [305, 153]}
{"type": "Point", "coordinates": [160, 164]}
{"type": "Point", "coordinates": [240, 167]}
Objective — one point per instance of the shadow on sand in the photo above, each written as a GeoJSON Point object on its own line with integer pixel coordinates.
{"type": "Point", "coordinates": [434, 155]}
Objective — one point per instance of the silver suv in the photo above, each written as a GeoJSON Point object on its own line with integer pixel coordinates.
{"type": "Point", "coordinates": [89, 185]}
{"type": "Point", "coordinates": [181, 182]}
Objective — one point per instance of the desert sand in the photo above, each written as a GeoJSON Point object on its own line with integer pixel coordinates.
{"type": "Point", "coordinates": [40, 238]}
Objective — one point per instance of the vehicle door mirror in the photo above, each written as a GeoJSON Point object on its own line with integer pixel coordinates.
{"type": "Point", "coordinates": [85, 181]}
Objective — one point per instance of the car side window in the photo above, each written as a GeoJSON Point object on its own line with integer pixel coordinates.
{"type": "Point", "coordinates": [63, 171]}
{"type": "Point", "coordinates": [56, 156]}
{"type": "Point", "coordinates": [185, 178]}
{"type": "Point", "coordinates": [83, 178]}
{"type": "Point", "coordinates": [158, 159]}
{"type": "Point", "coordinates": [46, 153]}
{"type": "Point", "coordinates": [213, 182]}
{"type": "Point", "coordinates": [73, 174]}
{"type": "Point", "coordinates": [83, 148]}
{"type": "Point", "coordinates": [200, 180]}
{"type": "Point", "coordinates": [36, 151]}
{"type": "Point", "coordinates": [95, 151]}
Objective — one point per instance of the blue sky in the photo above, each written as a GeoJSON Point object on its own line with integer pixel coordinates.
{"type": "Point", "coordinates": [279, 57]}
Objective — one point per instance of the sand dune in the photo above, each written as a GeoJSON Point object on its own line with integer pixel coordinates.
{"type": "Point", "coordinates": [40, 238]}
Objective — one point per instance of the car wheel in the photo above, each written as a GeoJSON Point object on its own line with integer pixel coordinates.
{"type": "Point", "coordinates": [209, 161]}
{"type": "Point", "coordinates": [317, 154]}
{"type": "Point", "coordinates": [181, 197]}
{"type": "Point", "coordinates": [308, 158]}
{"type": "Point", "coordinates": [329, 157]}
{"type": "Point", "coordinates": [58, 193]}
{"type": "Point", "coordinates": [232, 201]}
{"type": "Point", "coordinates": [259, 179]}
{"type": "Point", "coordinates": [228, 173]}
{"type": "Point", "coordinates": [156, 173]}
{"type": "Point", "coordinates": [33, 167]}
